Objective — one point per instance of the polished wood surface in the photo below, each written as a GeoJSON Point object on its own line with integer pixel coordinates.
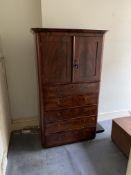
{"type": "Point", "coordinates": [77, 31]}
{"type": "Point", "coordinates": [121, 134]}
{"type": "Point", "coordinates": [69, 68]}
{"type": "Point", "coordinates": [70, 125]}
{"type": "Point", "coordinates": [87, 59]}
{"type": "Point", "coordinates": [69, 137]}
{"type": "Point", "coordinates": [56, 63]}
{"type": "Point", "coordinates": [66, 114]}
{"type": "Point", "coordinates": [66, 90]}
{"type": "Point", "coordinates": [68, 102]}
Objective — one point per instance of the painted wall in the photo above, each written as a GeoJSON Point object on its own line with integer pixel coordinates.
{"type": "Point", "coordinates": [114, 16]}
{"type": "Point", "coordinates": [18, 44]}
{"type": "Point", "coordinates": [5, 120]}
{"type": "Point", "coordinates": [129, 166]}
{"type": "Point", "coordinates": [18, 17]}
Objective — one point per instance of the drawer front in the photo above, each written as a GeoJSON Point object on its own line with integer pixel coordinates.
{"type": "Point", "coordinates": [70, 90]}
{"type": "Point", "coordinates": [69, 137]}
{"type": "Point", "coordinates": [73, 124]}
{"type": "Point", "coordinates": [65, 114]}
{"type": "Point", "coordinates": [73, 101]}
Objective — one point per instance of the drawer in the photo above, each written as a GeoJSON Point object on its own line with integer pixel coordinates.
{"type": "Point", "coordinates": [72, 124]}
{"type": "Point", "coordinates": [56, 91]}
{"type": "Point", "coordinates": [69, 137]}
{"type": "Point", "coordinates": [65, 114]}
{"type": "Point", "coordinates": [71, 101]}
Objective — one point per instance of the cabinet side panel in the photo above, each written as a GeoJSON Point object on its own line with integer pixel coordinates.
{"type": "Point", "coordinates": [41, 99]}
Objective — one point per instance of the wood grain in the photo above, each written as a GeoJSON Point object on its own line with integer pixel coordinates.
{"type": "Point", "coordinates": [65, 90]}
{"type": "Point", "coordinates": [69, 113]}
{"type": "Point", "coordinates": [69, 137]}
{"type": "Point", "coordinates": [69, 68]}
{"type": "Point", "coordinates": [121, 134]}
{"type": "Point", "coordinates": [70, 125]}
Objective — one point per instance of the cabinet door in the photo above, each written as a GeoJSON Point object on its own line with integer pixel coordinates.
{"type": "Point", "coordinates": [87, 59]}
{"type": "Point", "coordinates": [56, 53]}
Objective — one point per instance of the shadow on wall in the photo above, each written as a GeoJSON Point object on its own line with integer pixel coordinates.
{"type": "Point", "coordinates": [1, 52]}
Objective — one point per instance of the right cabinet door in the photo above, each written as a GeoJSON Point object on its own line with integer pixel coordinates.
{"type": "Point", "coordinates": [87, 59]}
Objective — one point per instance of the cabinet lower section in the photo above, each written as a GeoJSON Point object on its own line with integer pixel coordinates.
{"type": "Point", "coordinates": [70, 125]}
{"type": "Point", "coordinates": [69, 113]}
{"type": "Point", "coordinates": [69, 137]}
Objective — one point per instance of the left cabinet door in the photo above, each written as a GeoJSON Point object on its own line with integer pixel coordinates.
{"type": "Point", "coordinates": [56, 56]}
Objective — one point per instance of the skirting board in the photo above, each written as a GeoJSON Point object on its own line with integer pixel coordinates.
{"type": "Point", "coordinates": [24, 123]}
{"type": "Point", "coordinates": [112, 115]}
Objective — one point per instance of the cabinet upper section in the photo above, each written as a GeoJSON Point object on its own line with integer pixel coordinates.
{"type": "Point", "coordinates": [69, 55]}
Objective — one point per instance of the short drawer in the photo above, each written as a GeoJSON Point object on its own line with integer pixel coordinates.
{"type": "Point", "coordinates": [71, 101]}
{"type": "Point", "coordinates": [65, 114]}
{"type": "Point", "coordinates": [72, 124]}
{"type": "Point", "coordinates": [69, 137]}
{"type": "Point", "coordinates": [56, 91]}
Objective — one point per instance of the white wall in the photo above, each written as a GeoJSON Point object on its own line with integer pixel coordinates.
{"type": "Point", "coordinates": [129, 166]}
{"type": "Point", "coordinates": [17, 17]}
{"type": "Point", "coordinates": [114, 16]}
{"type": "Point", "coordinates": [5, 120]}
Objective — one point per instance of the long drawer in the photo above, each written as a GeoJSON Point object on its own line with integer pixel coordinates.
{"type": "Point", "coordinates": [65, 114]}
{"type": "Point", "coordinates": [56, 91]}
{"type": "Point", "coordinates": [72, 124]}
{"type": "Point", "coordinates": [69, 137]}
{"type": "Point", "coordinates": [71, 101]}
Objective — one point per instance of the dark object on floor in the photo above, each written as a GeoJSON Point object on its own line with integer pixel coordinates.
{"type": "Point", "coordinates": [69, 70]}
{"type": "Point", "coordinates": [96, 157]}
{"type": "Point", "coordinates": [99, 128]}
{"type": "Point", "coordinates": [28, 130]}
{"type": "Point", "coordinates": [121, 134]}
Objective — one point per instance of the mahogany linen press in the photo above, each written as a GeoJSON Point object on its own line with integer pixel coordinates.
{"type": "Point", "coordinates": [69, 70]}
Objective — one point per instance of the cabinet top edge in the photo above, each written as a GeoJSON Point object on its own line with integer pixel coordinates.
{"type": "Point", "coordinates": [39, 30]}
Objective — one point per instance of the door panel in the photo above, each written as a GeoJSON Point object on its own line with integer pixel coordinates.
{"type": "Point", "coordinates": [56, 58]}
{"type": "Point", "coordinates": [87, 59]}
